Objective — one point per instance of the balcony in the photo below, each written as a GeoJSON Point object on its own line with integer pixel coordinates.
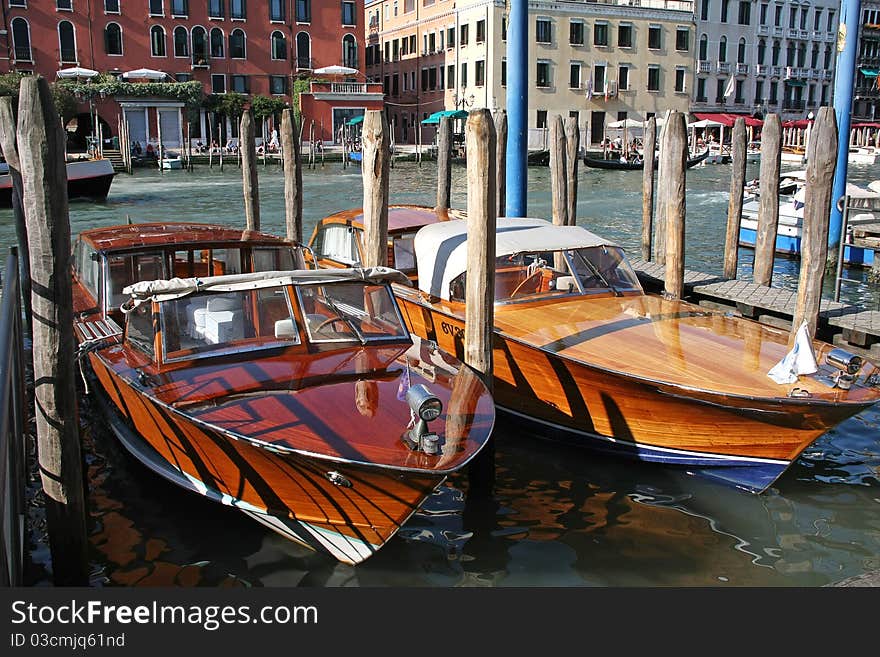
{"type": "Point", "coordinates": [793, 34]}
{"type": "Point", "coordinates": [813, 74]}
{"type": "Point", "coordinates": [361, 91]}
{"type": "Point", "coordinates": [775, 71]}
{"type": "Point", "coordinates": [791, 104]}
{"type": "Point", "coordinates": [804, 34]}
{"type": "Point", "coordinates": [831, 36]}
{"type": "Point", "coordinates": [791, 73]}
{"type": "Point", "coordinates": [763, 30]}
{"type": "Point", "coordinates": [777, 31]}
{"type": "Point", "coordinates": [818, 35]}
{"type": "Point", "coordinates": [742, 69]}
{"type": "Point", "coordinates": [304, 63]}
{"type": "Point", "coordinates": [200, 62]}
{"type": "Point", "coordinates": [23, 54]}
{"type": "Point", "coordinates": [722, 67]}
{"type": "Point", "coordinates": [827, 74]}
{"type": "Point", "coordinates": [704, 66]}
{"type": "Point", "coordinates": [761, 70]}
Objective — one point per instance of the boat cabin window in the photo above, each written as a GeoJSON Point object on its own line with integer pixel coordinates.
{"type": "Point", "coordinates": [123, 270]}
{"type": "Point", "coordinates": [274, 259]}
{"type": "Point", "coordinates": [88, 267]}
{"type": "Point", "coordinates": [215, 323]}
{"type": "Point", "coordinates": [337, 242]}
{"type": "Point", "coordinates": [140, 330]}
{"type": "Point", "coordinates": [532, 276]}
{"type": "Point", "coordinates": [351, 312]}
{"type": "Point", "coordinates": [404, 253]}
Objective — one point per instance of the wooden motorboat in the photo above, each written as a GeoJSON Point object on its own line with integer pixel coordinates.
{"type": "Point", "coordinates": [583, 354]}
{"type": "Point", "coordinates": [296, 396]}
{"type": "Point", "coordinates": [635, 165]}
{"type": "Point", "coordinates": [89, 179]}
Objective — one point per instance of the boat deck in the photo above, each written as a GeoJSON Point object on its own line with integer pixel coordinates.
{"type": "Point", "coordinates": [839, 323]}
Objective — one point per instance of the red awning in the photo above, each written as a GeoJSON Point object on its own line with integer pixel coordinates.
{"type": "Point", "coordinates": [867, 124]}
{"type": "Point", "coordinates": [728, 119]}
{"type": "Point", "coordinates": [799, 123]}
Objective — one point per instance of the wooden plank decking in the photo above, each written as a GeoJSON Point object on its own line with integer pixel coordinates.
{"type": "Point", "coordinates": [839, 323]}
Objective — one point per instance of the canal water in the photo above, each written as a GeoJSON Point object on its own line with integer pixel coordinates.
{"type": "Point", "coordinates": [559, 516]}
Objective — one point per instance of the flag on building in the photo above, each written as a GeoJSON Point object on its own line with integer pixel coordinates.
{"type": "Point", "coordinates": [590, 89]}
{"type": "Point", "coordinates": [731, 86]}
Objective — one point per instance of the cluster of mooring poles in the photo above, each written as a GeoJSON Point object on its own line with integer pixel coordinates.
{"type": "Point", "coordinates": [663, 240]}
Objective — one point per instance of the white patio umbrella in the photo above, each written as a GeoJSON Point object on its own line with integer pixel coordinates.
{"type": "Point", "coordinates": [335, 69]}
{"type": "Point", "coordinates": [146, 73]}
{"type": "Point", "coordinates": [76, 72]}
{"type": "Point", "coordinates": [626, 123]}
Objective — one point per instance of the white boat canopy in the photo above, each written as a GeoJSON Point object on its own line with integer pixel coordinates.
{"type": "Point", "coordinates": [175, 288]}
{"type": "Point", "coordinates": [441, 248]}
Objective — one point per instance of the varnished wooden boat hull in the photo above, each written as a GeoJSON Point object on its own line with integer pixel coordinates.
{"type": "Point", "coordinates": [746, 441]}
{"type": "Point", "coordinates": [287, 492]}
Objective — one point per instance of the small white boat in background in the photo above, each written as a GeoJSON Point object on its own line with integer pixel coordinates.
{"type": "Point", "coordinates": [862, 155]}
{"type": "Point", "coordinates": [172, 163]}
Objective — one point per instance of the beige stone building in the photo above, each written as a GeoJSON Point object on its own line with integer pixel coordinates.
{"type": "Point", "coordinates": [599, 61]}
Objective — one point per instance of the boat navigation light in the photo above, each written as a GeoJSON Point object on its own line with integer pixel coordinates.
{"type": "Point", "coordinates": [427, 407]}
{"type": "Point", "coordinates": [848, 364]}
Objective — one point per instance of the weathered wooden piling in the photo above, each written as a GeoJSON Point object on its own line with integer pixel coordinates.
{"type": "Point", "coordinates": [10, 152]}
{"type": "Point", "coordinates": [768, 209]}
{"type": "Point", "coordinates": [500, 163]}
{"type": "Point", "coordinates": [312, 144]}
{"type": "Point", "coordinates": [250, 184]}
{"type": "Point", "coordinates": [322, 143]}
{"type": "Point", "coordinates": [739, 144]}
{"type": "Point", "coordinates": [160, 148]}
{"type": "Point", "coordinates": [814, 233]}
{"type": "Point", "coordinates": [292, 176]}
{"type": "Point", "coordinates": [480, 144]}
{"type": "Point", "coordinates": [673, 154]}
{"type": "Point", "coordinates": [558, 175]}
{"type": "Point", "coordinates": [375, 165]}
{"type": "Point", "coordinates": [41, 146]}
{"type": "Point", "coordinates": [573, 147]}
{"type": "Point", "coordinates": [444, 164]}
{"type": "Point", "coordinates": [660, 213]}
{"type": "Point", "coordinates": [648, 188]}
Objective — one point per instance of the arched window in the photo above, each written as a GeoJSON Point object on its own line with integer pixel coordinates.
{"type": "Point", "coordinates": [237, 48]}
{"type": "Point", "coordinates": [722, 49]}
{"type": "Point", "coordinates": [279, 45]}
{"type": "Point", "coordinates": [67, 42]}
{"type": "Point", "coordinates": [113, 39]}
{"type": "Point", "coordinates": [217, 43]}
{"type": "Point", "coordinates": [199, 45]}
{"type": "Point", "coordinates": [790, 54]}
{"type": "Point", "coordinates": [157, 41]}
{"type": "Point", "coordinates": [814, 60]}
{"type": "Point", "coordinates": [181, 42]}
{"type": "Point", "coordinates": [349, 51]}
{"type": "Point", "coordinates": [762, 50]}
{"type": "Point", "coordinates": [776, 49]}
{"type": "Point", "coordinates": [741, 52]}
{"type": "Point", "coordinates": [21, 39]}
{"type": "Point", "coordinates": [802, 55]}
{"type": "Point", "coordinates": [704, 48]}
{"type": "Point", "coordinates": [303, 50]}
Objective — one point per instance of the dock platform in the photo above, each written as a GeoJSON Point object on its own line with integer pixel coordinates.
{"type": "Point", "coordinates": [841, 324]}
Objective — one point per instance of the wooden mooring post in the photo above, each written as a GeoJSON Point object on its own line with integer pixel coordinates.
{"type": "Point", "coordinates": [444, 164]}
{"type": "Point", "coordinates": [375, 171]}
{"type": "Point", "coordinates": [250, 184]}
{"type": "Point", "coordinates": [673, 154]}
{"type": "Point", "coordinates": [10, 151]}
{"type": "Point", "coordinates": [290, 155]}
{"type": "Point", "coordinates": [739, 144]}
{"type": "Point", "coordinates": [480, 143]}
{"type": "Point", "coordinates": [572, 148]}
{"type": "Point", "coordinates": [558, 180]}
{"type": "Point", "coordinates": [44, 175]}
{"type": "Point", "coordinates": [500, 163]}
{"type": "Point", "coordinates": [648, 188]}
{"type": "Point", "coordinates": [817, 208]}
{"type": "Point", "coordinates": [768, 209]}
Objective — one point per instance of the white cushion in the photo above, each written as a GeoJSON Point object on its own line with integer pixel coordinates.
{"type": "Point", "coordinates": [223, 303]}
{"type": "Point", "coordinates": [285, 328]}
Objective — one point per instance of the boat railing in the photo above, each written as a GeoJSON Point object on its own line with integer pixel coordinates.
{"type": "Point", "coordinates": [12, 422]}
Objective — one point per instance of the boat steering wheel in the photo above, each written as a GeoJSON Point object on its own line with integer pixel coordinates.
{"type": "Point", "coordinates": [333, 320]}
{"type": "Point", "coordinates": [536, 274]}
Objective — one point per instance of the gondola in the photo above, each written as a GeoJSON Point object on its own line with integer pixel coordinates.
{"type": "Point", "coordinates": [636, 166]}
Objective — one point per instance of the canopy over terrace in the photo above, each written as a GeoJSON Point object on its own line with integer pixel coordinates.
{"type": "Point", "coordinates": [728, 119]}
{"type": "Point", "coordinates": [434, 119]}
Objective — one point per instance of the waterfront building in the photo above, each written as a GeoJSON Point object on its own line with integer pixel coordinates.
{"type": "Point", "coordinates": [255, 48]}
{"type": "Point", "coordinates": [765, 56]}
{"type": "Point", "coordinates": [598, 61]}
{"type": "Point", "coordinates": [866, 95]}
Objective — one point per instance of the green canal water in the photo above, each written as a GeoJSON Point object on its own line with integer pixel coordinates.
{"type": "Point", "coordinates": [559, 516]}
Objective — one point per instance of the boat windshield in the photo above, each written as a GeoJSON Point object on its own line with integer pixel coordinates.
{"type": "Point", "coordinates": [215, 323]}
{"type": "Point", "coordinates": [532, 276]}
{"type": "Point", "coordinates": [351, 312]}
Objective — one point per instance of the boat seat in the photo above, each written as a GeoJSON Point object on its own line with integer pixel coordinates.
{"type": "Point", "coordinates": [566, 284]}
{"type": "Point", "coordinates": [195, 317]}
{"type": "Point", "coordinates": [285, 329]}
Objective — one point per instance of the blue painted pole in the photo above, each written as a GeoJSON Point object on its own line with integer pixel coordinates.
{"type": "Point", "coordinates": [843, 98]}
{"type": "Point", "coordinates": [517, 108]}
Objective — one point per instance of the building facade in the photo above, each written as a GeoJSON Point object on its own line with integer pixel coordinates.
{"type": "Point", "coordinates": [256, 47]}
{"type": "Point", "coordinates": [767, 56]}
{"type": "Point", "coordinates": [600, 62]}
{"type": "Point", "coordinates": [866, 95]}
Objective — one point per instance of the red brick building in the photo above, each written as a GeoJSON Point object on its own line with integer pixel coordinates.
{"type": "Point", "coordinates": [246, 46]}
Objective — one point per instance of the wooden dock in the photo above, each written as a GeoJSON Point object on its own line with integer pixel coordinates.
{"type": "Point", "coordinates": [853, 328]}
